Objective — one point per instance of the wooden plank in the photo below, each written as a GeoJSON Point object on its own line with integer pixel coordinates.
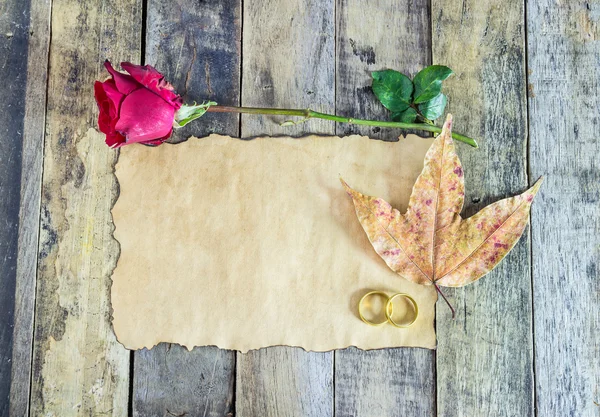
{"type": "Point", "coordinates": [393, 35]}
{"type": "Point", "coordinates": [29, 212]}
{"type": "Point", "coordinates": [387, 382]}
{"type": "Point", "coordinates": [198, 50]}
{"type": "Point", "coordinates": [14, 36]}
{"type": "Point", "coordinates": [484, 358]}
{"type": "Point", "coordinates": [78, 366]}
{"type": "Point", "coordinates": [283, 381]}
{"type": "Point", "coordinates": [170, 381]}
{"type": "Point", "coordinates": [563, 55]}
{"type": "Point", "coordinates": [288, 61]}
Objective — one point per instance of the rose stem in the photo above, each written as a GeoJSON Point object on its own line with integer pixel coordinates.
{"type": "Point", "coordinates": [445, 299]}
{"type": "Point", "coordinates": [308, 114]}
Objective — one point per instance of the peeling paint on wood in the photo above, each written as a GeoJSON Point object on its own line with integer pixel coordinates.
{"type": "Point", "coordinates": [484, 363]}
{"type": "Point", "coordinates": [78, 366]}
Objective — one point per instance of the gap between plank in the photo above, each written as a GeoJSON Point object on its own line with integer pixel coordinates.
{"type": "Point", "coordinates": [335, 73]}
{"type": "Point", "coordinates": [528, 179]}
{"type": "Point", "coordinates": [434, 370]}
{"type": "Point", "coordinates": [142, 62]}
{"type": "Point", "coordinates": [143, 40]}
{"type": "Point", "coordinates": [40, 199]}
{"type": "Point", "coordinates": [235, 353]}
{"type": "Point", "coordinates": [240, 88]}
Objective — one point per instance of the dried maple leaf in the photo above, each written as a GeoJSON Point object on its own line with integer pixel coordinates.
{"type": "Point", "coordinates": [431, 243]}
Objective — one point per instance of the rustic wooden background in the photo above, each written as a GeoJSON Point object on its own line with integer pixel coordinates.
{"type": "Point", "coordinates": [525, 341]}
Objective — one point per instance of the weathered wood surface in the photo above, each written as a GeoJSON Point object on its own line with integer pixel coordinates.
{"type": "Point", "coordinates": [78, 366]}
{"type": "Point", "coordinates": [485, 356]}
{"type": "Point", "coordinates": [14, 39]}
{"type": "Point", "coordinates": [293, 56]}
{"type": "Point", "coordinates": [29, 207]}
{"type": "Point", "coordinates": [288, 60]}
{"type": "Point", "coordinates": [198, 50]}
{"type": "Point", "coordinates": [390, 381]}
{"type": "Point", "coordinates": [402, 41]}
{"type": "Point", "coordinates": [170, 381]}
{"type": "Point", "coordinates": [387, 382]}
{"type": "Point", "coordinates": [564, 76]}
{"type": "Point", "coordinates": [284, 382]}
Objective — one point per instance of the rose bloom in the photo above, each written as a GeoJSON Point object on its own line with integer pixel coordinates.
{"type": "Point", "coordinates": [139, 107]}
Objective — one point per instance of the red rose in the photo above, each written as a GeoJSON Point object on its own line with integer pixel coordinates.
{"type": "Point", "coordinates": [139, 107]}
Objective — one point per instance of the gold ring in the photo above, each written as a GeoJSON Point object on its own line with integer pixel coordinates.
{"type": "Point", "coordinates": [390, 307]}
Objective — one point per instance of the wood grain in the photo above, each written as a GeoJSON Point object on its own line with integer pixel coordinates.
{"type": "Point", "coordinates": [388, 381]}
{"type": "Point", "coordinates": [288, 61]}
{"type": "Point", "coordinates": [170, 381]}
{"type": "Point", "coordinates": [78, 366]}
{"type": "Point", "coordinates": [198, 50]}
{"type": "Point", "coordinates": [484, 358]}
{"type": "Point", "coordinates": [14, 37]}
{"type": "Point", "coordinates": [563, 55]}
{"type": "Point", "coordinates": [29, 212]}
{"type": "Point", "coordinates": [390, 35]}
{"type": "Point", "coordinates": [285, 382]}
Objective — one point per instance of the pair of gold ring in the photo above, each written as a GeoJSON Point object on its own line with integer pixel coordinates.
{"type": "Point", "coordinates": [389, 309]}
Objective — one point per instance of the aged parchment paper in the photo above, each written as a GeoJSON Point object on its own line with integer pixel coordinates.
{"type": "Point", "coordinates": [244, 244]}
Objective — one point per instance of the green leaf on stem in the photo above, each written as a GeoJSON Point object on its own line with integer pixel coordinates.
{"type": "Point", "coordinates": [428, 82]}
{"type": "Point", "coordinates": [434, 108]}
{"type": "Point", "coordinates": [407, 116]}
{"type": "Point", "coordinates": [186, 113]}
{"type": "Point", "coordinates": [393, 89]}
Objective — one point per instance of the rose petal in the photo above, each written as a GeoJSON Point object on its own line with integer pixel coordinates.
{"type": "Point", "coordinates": [115, 140]}
{"type": "Point", "coordinates": [144, 74]}
{"type": "Point", "coordinates": [150, 78]}
{"type": "Point", "coordinates": [104, 107]}
{"type": "Point", "coordinates": [113, 94]}
{"type": "Point", "coordinates": [124, 83]}
{"type": "Point", "coordinates": [109, 101]}
{"type": "Point", "coordinates": [145, 116]}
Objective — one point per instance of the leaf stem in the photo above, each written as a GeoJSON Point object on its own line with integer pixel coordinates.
{"type": "Point", "coordinates": [307, 114]}
{"type": "Point", "coordinates": [445, 299]}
